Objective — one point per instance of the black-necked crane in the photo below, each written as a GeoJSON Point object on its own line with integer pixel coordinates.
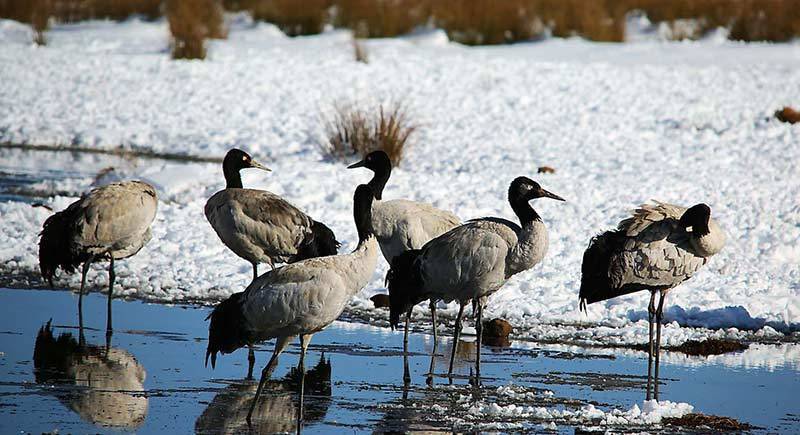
{"type": "Point", "coordinates": [262, 227]}
{"type": "Point", "coordinates": [656, 249]}
{"type": "Point", "coordinates": [472, 261]}
{"type": "Point", "coordinates": [111, 223]}
{"type": "Point", "coordinates": [401, 225]}
{"type": "Point", "coordinates": [298, 299]}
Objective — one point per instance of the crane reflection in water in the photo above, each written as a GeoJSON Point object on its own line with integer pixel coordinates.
{"type": "Point", "coordinates": [300, 398]}
{"type": "Point", "coordinates": [102, 384]}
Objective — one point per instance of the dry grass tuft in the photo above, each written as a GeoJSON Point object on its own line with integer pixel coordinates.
{"type": "Point", "coordinates": [352, 131]}
{"type": "Point", "coordinates": [191, 22]}
{"type": "Point", "coordinates": [711, 346]}
{"type": "Point", "coordinates": [787, 114]}
{"type": "Point", "coordinates": [293, 17]}
{"type": "Point", "coordinates": [702, 421]}
{"type": "Point", "coordinates": [465, 21]}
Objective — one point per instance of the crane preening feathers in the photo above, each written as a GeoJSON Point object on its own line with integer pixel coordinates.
{"type": "Point", "coordinates": [656, 249]}
{"type": "Point", "coordinates": [111, 222]}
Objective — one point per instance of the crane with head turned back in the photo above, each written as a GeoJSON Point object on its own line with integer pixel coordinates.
{"type": "Point", "coordinates": [111, 222]}
{"type": "Point", "coordinates": [262, 227]}
{"type": "Point", "coordinates": [656, 249]}
{"type": "Point", "coordinates": [472, 261]}
{"type": "Point", "coordinates": [298, 299]}
{"type": "Point", "coordinates": [401, 225]}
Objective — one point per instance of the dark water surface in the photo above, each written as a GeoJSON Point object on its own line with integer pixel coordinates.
{"type": "Point", "coordinates": [153, 378]}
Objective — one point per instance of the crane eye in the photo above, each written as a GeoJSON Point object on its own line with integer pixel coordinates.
{"type": "Point", "coordinates": [244, 158]}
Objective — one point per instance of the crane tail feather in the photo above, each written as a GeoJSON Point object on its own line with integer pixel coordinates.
{"type": "Point", "coordinates": [55, 244]}
{"type": "Point", "coordinates": [321, 242]}
{"type": "Point", "coordinates": [596, 282]}
{"type": "Point", "coordinates": [405, 284]}
{"type": "Point", "coordinates": [227, 330]}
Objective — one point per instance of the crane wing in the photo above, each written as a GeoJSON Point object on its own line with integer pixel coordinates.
{"type": "Point", "coordinates": [254, 223]}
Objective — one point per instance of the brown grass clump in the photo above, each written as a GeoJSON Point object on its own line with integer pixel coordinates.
{"type": "Point", "coordinates": [293, 17]}
{"type": "Point", "coordinates": [787, 114]}
{"type": "Point", "coordinates": [702, 421]}
{"type": "Point", "coordinates": [710, 346]}
{"type": "Point", "coordinates": [191, 22]}
{"type": "Point", "coordinates": [381, 18]}
{"type": "Point", "coordinates": [352, 131]}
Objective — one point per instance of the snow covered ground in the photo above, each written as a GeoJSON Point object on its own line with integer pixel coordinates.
{"type": "Point", "coordinates": [621, 123]}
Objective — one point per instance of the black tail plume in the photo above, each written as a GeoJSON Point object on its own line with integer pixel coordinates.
{"type": "Point", "coordinates": [405, 284]}
{"type": "Point", "coordinates": [51, 356]}
{"type": "Point", "coordinates": [55, 245]}
{"type": "Point", "coordinates": [595, 274]}
{"type": "Point", "coordinates": [320, 243]}
{"type": "Point", "coordinates": [228, 330]}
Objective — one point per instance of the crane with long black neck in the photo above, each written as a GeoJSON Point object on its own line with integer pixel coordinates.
{"type": "Point", "coordinates": [472, 261]}
{"type": "Point", "coordinates": [298, 299]}
{"type": "Point", "coordinates": [401, 225]}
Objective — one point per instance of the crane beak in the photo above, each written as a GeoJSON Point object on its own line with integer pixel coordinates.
{"type": "Point", "coordinates": [255, 164]}
{"type": "Point", "coordinates": [359, 164]}
{"type": "Point", "coordinates": [551, 195]}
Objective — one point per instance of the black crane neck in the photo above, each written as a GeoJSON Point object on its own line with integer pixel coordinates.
{"type": "Point", "coordinates": [233, 179]}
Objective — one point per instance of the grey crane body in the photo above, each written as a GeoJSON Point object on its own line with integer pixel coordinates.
{"type": "Point", "coordinates": [402, 225]}
{"type": "Point", "coordinates": [262, 227]}
{"type": "Point", "coordinates": [473, 260]}
{"type": "Point", "coordinates": [110, 222]}
{"type": "Point", "coordinates": [656, 249]}
{"type": "Point", "coordinates": [297, 299]}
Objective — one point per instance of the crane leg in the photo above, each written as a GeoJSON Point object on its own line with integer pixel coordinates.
{"type": "Point", "coordinates": [429, 379]}
{"type": "Point", "coordinates": [111, 278]}
{"type": "Point", "coordinates": [479, 331]}
{"type": "Point", "coordinates": [659, 316]}
{"type": "Point", "coordinates": [651, 312]}
{"type": "Point", "coordinates": [86, 265]}
{"type": "Point", "coordinates": [251, 361]}
{"type": "Point", "coordinates": [456, 335]}
{"type": "Point", "coordinates": [304, 341]}
{"type": "Point", "coordinates": [280, 345]}
{"type": "Point", "coordinates": [406, 373]}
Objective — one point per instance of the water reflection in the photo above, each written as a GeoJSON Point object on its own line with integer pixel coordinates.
{"type": "Point", "coordinates": [277, 408]}
{"type": "Point", "coordinates": [102, 384]}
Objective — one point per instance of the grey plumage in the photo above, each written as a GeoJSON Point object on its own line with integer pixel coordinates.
{"type": "Point", "coordinates": [111, 222]}
{"type": "Point", "coordinates": [656, 249]}
{"type": "Point", "coordinates": [402, 225]}
{"type": "Point", "coordinates": [297, 299]}
{"type": "Point", "coordinates": [262, 227]}
{"type": "Point", "coordinates": [473, 260]}
{"type": "Point", "coordinates": [651, 249]}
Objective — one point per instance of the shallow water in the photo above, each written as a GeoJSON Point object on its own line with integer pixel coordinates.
{"type": "Point", "coordinates": [157, 352]}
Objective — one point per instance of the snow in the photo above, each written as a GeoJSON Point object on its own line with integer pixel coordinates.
{"type": "Point", "coordinates": [651, 412]}
{"type": "Point", "coordinates": [621, 123]}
